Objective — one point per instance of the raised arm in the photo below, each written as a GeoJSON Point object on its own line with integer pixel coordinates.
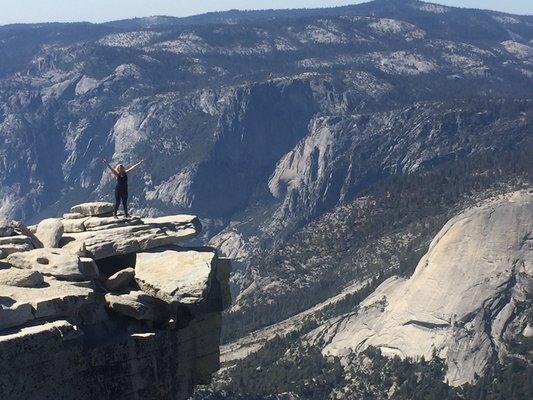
{"type": "Point", "coordinates": [109, 166]}
{"type": "Point", "coordinates": [134, 166]}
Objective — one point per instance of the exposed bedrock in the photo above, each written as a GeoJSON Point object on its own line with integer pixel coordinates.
{"type": "Point", "coordinates": [469, 295]}
{"type": "Point", "coordinates": [119, 310]}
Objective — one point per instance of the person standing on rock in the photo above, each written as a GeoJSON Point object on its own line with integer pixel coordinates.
{"type": "Point", "coordinates": [121, 189]}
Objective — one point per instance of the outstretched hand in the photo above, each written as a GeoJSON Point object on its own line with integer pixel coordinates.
{"type": "Point", "coordinates": [134, 166]}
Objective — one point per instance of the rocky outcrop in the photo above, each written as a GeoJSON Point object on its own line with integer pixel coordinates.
{"type": "Point", "coordinates": [111, 313]}
{"type": "Point", "coordinates": [104, 237]}
{"type": "Point", "coordinates": [49, 232]}
{"type": "Point", "coordinates": [470, 294]}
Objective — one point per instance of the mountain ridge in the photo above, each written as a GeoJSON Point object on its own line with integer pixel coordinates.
{"type": "Point", "coordinates": [324, 152]}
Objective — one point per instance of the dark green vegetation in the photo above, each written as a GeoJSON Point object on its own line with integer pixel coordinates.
{"type": "Point", "coordinates": [301, 370]}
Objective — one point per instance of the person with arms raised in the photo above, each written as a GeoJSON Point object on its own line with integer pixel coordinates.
{"type": "Point", "coordinates": [121, 188]}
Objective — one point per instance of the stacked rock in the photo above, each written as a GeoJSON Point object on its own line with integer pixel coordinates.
{"type": "Point", "coordinates": [15, 237]}
{"type": "Point", "coordinates": [89, 269]}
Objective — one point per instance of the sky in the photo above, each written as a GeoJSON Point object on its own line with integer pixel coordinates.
{"type": "Point", "coordinates": [24, 11]}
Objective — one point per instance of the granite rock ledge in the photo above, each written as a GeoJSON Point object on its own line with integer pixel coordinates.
{"type": "Point", "coordinates": [94, 307]}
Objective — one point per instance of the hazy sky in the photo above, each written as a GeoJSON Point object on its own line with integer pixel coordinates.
{"type": "Point", "coordinates": [12, 11]}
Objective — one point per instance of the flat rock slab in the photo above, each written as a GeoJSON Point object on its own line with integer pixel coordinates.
{"type": "Point", "coordinates": [18, 239]}
{"type": "Point", "coordinates": [53, 262]}
{"type": "Point", "coordinates": [20, 277]}
{"type": "Point", "coordinates": [104, 243]}
{"type": "Point", "coordinates": [97, 223]}
{"type": "Point", "coordinates": [49, 232]}
{"type": "Point", "coordinates": [174, 221]}
{"type": "Point", "coordinates": [83, 224]}
{"type": "Point", "coordinates": [73, 216]}
{"type": "Point", "coordinates": [92, 209]}
{"type": "Point", "coordinates": [52, 300]}
{"type": "Point", "coordinates": [176, 275]}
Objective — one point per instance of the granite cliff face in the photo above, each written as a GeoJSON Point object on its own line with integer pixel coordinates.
{"type": "Point", "coordinates": [95, 307]}
{"type": "Point", "coordinates": [468, 298]}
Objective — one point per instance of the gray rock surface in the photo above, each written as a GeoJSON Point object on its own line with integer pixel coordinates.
{"type": "Point", "coordinates": [461, 303]}
{"type": "Point", "coordinates": [92, 209]}
{"type": "Point", "coordinates": [138, 305]}
{"type": "Point", "coordinates": [154, 232]}
{"type": "Point", "coordinates": [20, 277]}
{"type": "Point", "coordinates": [74, 225]}
{"type": "Point", "coordinates": [6, 229]}
{"type": "Point", "coordinates": [73, 215]}
{"type": "Point", "coordinates": [89, 268]}
{"type": "Point", "coordinates": [11, 248]}
{"type": "Point", "coordinates": [56, 299]}
{"type": "Point", "coordinates": [23, 230]}
{"type": "Point", "coordinates": [98, 223]}
{"type": "Point", "coordinates": [18, 239]}
{"type": "Point", "coordinates": [176, 275]}
{"type": "Point", "coordinates": [59, 263]}
{"type": "Point", "coordinates": [49, 232]}
{"type": "Point", "coordinates": [149, 364]}
{"type": "Point", "coordinates": [122, 279]}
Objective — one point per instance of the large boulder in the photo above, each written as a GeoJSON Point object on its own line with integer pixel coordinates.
{"type": "Point", "coordinates": [92, 209]}
{"type": "Point", "coordinates": [49, 232]}
{"type": "Point", "coordinates": [176, 275]}
{"type": "Point", "coordinates": [59, 263]}
{"type": "Point", "coordinates": [463, 300]}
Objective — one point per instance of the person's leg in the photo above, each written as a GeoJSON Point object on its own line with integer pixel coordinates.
{"type": "Point", "coordinates": [125, 203]}
{"type": "Point", "coordinates": [117, 202]}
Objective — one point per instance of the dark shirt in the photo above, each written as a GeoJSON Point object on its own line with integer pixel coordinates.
{"type": "Point", "coordinates": [122, 182]}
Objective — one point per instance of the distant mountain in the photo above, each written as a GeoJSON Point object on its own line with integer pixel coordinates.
{"type": "Point", "coordinates": [325, 147]}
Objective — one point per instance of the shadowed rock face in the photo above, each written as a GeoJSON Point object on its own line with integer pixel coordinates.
{"type": "Point", "coordinates": [149, 330]}
{"type": "Point", "coordinates": [463, 301]}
